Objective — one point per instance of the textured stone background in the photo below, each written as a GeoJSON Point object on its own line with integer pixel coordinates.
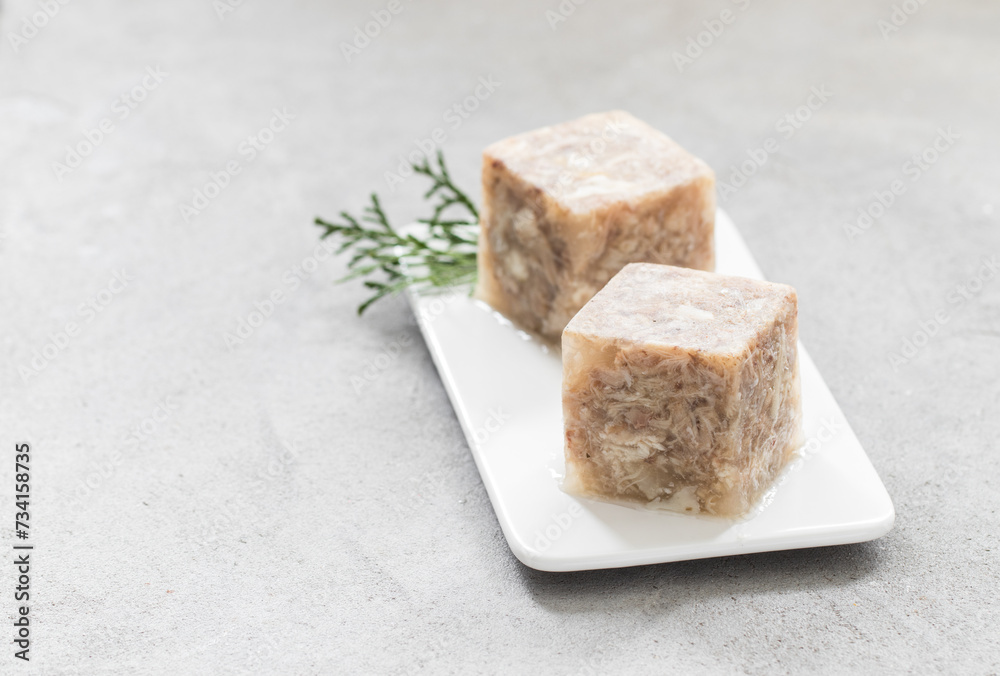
{"type": "Point", "coordinates": [175, 531]}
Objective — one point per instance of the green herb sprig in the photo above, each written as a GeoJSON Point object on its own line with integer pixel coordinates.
{"type": "Point", "coordinates": [442, 254]}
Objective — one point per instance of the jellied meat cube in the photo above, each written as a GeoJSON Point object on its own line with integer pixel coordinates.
{"type": "Point", "coordinates": [681, 390]}
{"type": "Point", "coordinates": [566, 207]}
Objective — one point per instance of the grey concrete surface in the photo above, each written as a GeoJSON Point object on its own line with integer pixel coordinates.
{"type": "Point", "coordinates": [204, 508]}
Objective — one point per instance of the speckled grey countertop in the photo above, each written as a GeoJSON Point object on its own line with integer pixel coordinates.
{"type": "Point", "coordinates": [213, 506]}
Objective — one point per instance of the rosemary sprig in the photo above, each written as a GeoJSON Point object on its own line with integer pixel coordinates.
{"type": "Point", "coordinates": [444, 254]}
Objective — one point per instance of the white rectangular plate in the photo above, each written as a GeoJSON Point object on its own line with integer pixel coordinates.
{"type": "Point", "coordinates": [506, 390]}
